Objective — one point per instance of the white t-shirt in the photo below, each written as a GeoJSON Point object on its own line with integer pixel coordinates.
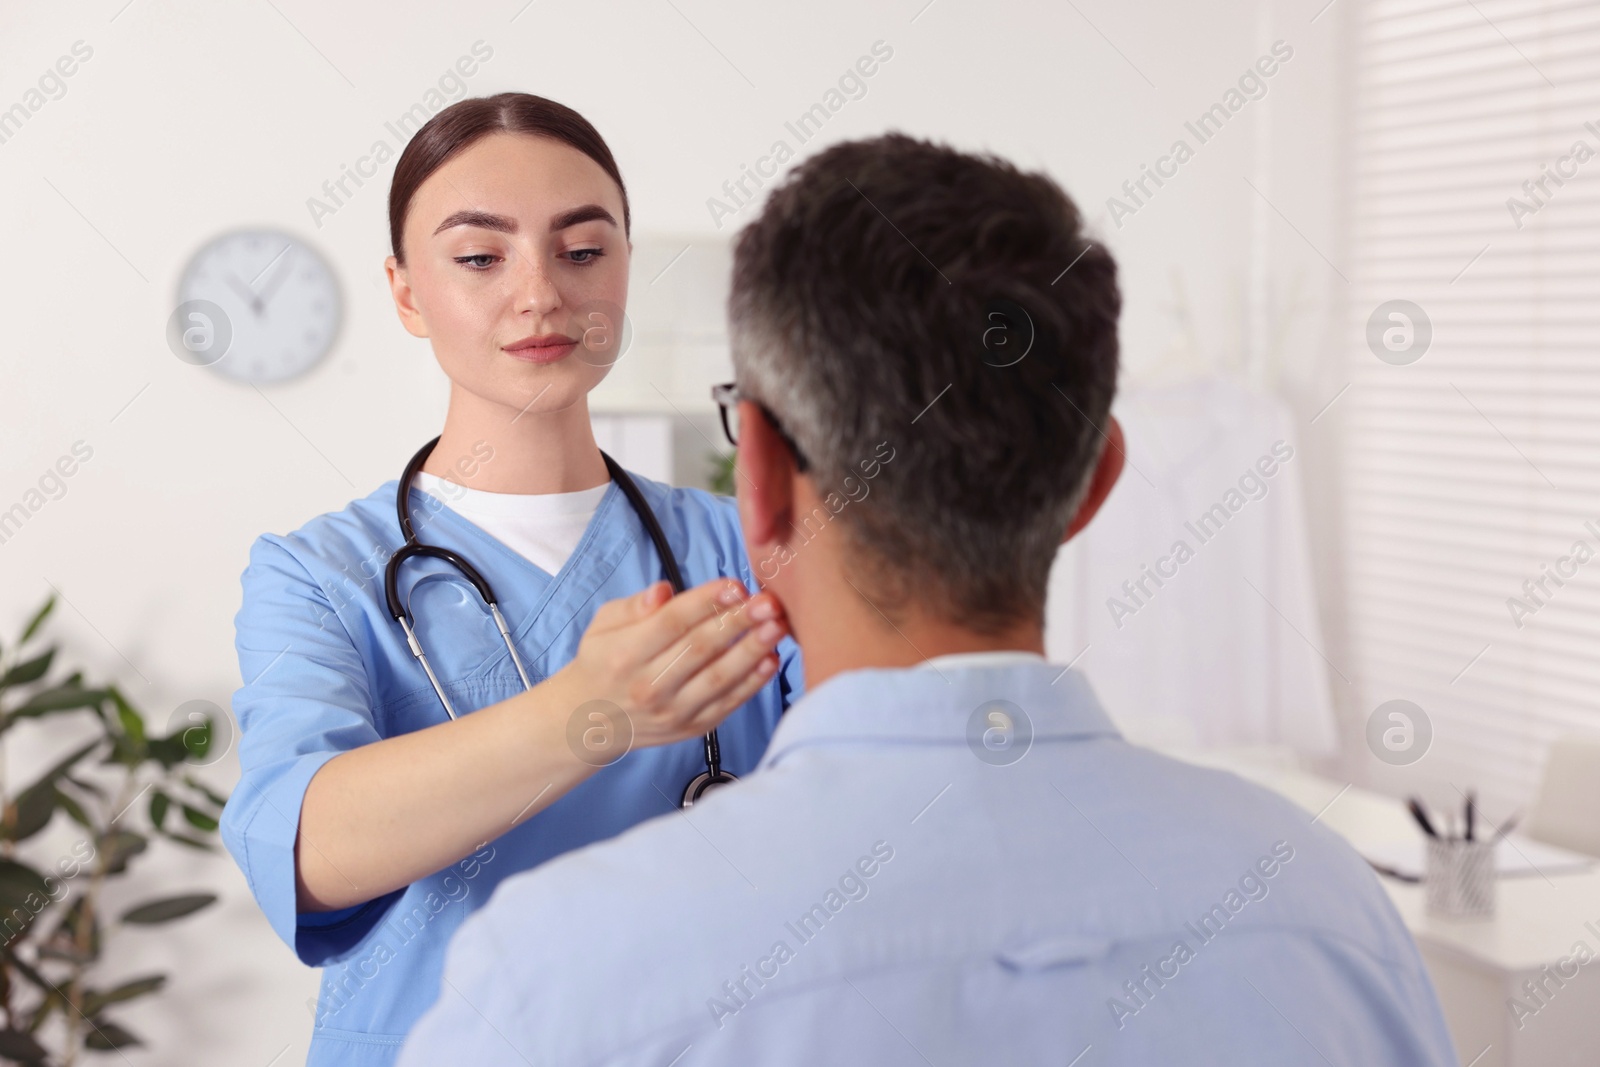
{"type": "Point", "coordinates": [542, 527]}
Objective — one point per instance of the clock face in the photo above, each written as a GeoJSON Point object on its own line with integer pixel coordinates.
{"type": "Point", "coordinates": [277, 301]}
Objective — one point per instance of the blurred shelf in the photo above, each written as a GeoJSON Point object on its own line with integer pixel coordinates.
{"type": "Point", "coordinates": [677, 306]}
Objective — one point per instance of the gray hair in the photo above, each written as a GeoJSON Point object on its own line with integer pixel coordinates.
{"type": "Point", "coordinates": [883, 296]}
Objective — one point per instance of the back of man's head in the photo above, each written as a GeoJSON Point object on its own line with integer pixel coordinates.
{"type": "Point", "coordinates": [897, 290]}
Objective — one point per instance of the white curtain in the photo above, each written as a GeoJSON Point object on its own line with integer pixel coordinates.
{"type": "Point", "coordinates": [1189, 601]}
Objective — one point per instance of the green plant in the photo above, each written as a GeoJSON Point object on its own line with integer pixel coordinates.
{"type": "Point", "coordinates": [51, 921]}
{"type": "Point", "coordinates": [720, 472]}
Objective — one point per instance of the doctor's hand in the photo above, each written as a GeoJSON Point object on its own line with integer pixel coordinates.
{"type": "Point", "coordinates": [678, 665]}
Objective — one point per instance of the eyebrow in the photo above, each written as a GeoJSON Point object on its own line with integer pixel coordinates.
{"type": "Point", "coordinates": [502, 224]}
{"type": "Point", "coordinates": [586, 213]}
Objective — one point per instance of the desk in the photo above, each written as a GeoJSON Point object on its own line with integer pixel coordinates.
{"type": "Point", "coordinates": [1477, 966]}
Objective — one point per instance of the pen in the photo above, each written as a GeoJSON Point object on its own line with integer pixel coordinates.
{"type": "Point", "coordinates": [1421, 816]}
{"type": "Point", "coordinates": [1399, 876]}
{"type": "Point", "coordinates": [1469, 815]}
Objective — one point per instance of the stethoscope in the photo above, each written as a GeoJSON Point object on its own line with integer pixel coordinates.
{"type": "Point", "coordinates": [712, 777]}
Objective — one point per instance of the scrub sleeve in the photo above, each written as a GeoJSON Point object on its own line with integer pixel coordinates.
{"type": "Point", "coordinates": [305, 700]}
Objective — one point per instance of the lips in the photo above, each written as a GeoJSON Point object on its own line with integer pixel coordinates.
{"type": "Point", "coordinates": [547, 348]}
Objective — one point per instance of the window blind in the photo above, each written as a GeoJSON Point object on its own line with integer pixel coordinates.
{"type": "Point", "coordinates": [1472, 471]}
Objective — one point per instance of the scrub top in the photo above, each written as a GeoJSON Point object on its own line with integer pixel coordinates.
{"type": "Point", "coordinates": [326, 669]}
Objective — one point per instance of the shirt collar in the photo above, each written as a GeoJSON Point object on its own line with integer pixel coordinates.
{"type": "Point", "coordinates": [942, 701]}
{"type": "Point", "coordinates": [1004, 656]}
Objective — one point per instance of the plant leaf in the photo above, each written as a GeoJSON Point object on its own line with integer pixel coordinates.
{"type": "Point", "coordinates": [211, 794]}
{"type": "Point", "coordinates": [21, 1047]}
{"type": "Point", "coordinates": [168, 908]}
{"type": "Point", "coordinates": [66, 696]}
{"type": "Point", "coordinates": [51, 1001]}
{"type": "Point", "coordinates": [65, 763]}
{"type": "Point", "coordinates": [62, 941]}
{"type": "Point", "coordinates": [69, 804]}
{"type": "Point", "coordinates": [28, 670]}
{"type": "Point", "coordinates": [87, 787]}
{"type": "Point", "coordinates": [167, 751]}
{"type": "Point", "coordinates": [13, 960]}
{"type": "Point", "coordinates": [128, 715]}
{"type": "Point", "coordinates": [19, 885]}
{"type": "Point", "coordinates": [38, 619]}
{"type": "Point", "coordinates": [32, 812]}
{"type": "Point", "coordinates": [199, 819]}
{"type": "Point", "coordinates": [196, 740]}
{"type": "Point", "coordinates": [36, 804]}
{"type": "Point", "coordinates": [109, 1036]}
{"type": "Point", "coordinates": [159, 803]}
{"type": "Point", "coordinates": [119, 847]}
{"type": "Point", "coordinates": [94, 1002]}
{"type": "Point", "coordinates": [17, 880]}
{"type": "Point", "coordinates": [185, 839]}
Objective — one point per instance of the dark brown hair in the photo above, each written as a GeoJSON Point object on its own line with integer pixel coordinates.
{"type": "Point", "coordinates": [466, 122]}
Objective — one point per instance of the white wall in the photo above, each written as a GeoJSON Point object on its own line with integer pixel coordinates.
{"type": "Point", "coordinates": [195, 117]}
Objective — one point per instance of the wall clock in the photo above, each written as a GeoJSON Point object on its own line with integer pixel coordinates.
{"type": "Point", "coordinates": [256, 306]}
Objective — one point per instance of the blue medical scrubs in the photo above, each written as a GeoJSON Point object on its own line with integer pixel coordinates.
{"type": "Point", "coordinates": [327, 669]}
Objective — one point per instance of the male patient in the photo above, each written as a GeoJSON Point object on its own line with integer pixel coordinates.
{"type": "Point", "coordinates": [948, 855]}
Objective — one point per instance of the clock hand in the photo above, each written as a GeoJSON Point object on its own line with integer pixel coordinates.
{"type": "Point", "coordinates": [248, 293]}
{"type": "Point", "coordinates": [277, 280]}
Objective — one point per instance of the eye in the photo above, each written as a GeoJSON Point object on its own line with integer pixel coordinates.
{"type": "Point", "coordinates": [581, 256]}
{"type": "Point", "coordinates": [481, 261]}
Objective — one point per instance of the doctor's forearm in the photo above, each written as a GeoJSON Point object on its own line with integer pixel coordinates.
{"type": "Point", "coordinates": [389, 813]}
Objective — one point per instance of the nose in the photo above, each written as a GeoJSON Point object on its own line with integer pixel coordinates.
{"type": "Point", "coordinates": [536, 292]}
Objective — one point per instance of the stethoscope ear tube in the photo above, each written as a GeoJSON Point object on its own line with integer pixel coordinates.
{"type": "Point", "coordinates": [402, 499]}
{"type": "Point", "coordinates": [647, 516]}
{"type": "Point", "coordinates": [412, 547]}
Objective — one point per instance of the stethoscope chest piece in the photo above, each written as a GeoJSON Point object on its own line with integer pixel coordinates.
{"type": "Point", "coordinates": [703, 783]}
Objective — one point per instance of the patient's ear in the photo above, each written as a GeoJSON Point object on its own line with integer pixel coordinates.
{"type": "Point", "coordinates": [764, 482]}
{"type": "Point", "coordinates": [1106, 473]}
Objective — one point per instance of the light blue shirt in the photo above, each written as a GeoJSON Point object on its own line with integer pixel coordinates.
{"type": "Point", "coordinates": [327, 669]}
{"type": "Point", "coordinates": [958, 864]}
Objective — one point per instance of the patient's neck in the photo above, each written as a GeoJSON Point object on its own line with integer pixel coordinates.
{"type": "Point", "coordinates": [842, 631]}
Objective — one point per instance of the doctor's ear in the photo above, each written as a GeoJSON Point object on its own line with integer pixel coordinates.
{"type": "Point", "coordinates": [1107, 469]}
{"type": "Point", "coordinates": [404, 301]}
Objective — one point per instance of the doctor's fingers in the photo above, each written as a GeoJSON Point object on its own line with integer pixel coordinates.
{"type": "Point", "coordinates": [659, 616]}
{"type": "Point", "coordinates": [686, 654]}
{"type": "Point", "coordinates": [708, 618]}
{"type": "Point", "coordinates": [736, 676]}
{"type": "Point", "coordinates": [719, 672]}
{"type": "Point", "coordinates": [626, 609]}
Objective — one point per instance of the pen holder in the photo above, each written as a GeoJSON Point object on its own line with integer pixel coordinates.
{"type": "Point", "coordinates": [1459, 879]}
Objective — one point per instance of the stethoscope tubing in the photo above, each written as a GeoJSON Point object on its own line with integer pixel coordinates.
{"type": "Point", "coordinates": [413, 548]}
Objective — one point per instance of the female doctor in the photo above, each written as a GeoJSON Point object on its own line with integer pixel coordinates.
{"type": "Point", "coordinates": [401, 757]}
